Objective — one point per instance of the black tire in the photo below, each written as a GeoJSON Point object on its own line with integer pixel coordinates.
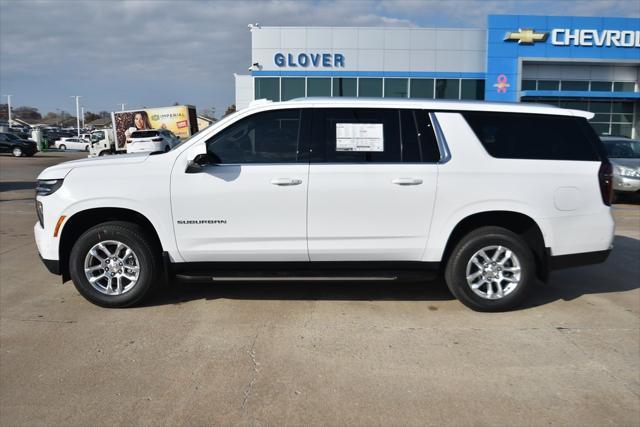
{"type": "Point", "coordinates": [456, 269]}
{"type": "Point", "coordinates": [103, 153]}
{"type": "Point", "coordinates": [86, 149]}
{"type": "Point", "coordinates": [135, 237]}
{"type": "Point", "coordinates": [62, 147]}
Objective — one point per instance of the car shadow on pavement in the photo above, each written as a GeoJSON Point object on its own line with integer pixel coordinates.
{"type": "Point", "coordinates": [619, 273]}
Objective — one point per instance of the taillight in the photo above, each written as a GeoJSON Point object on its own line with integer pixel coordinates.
{"type": "Point", "coordinates": [605, 177]}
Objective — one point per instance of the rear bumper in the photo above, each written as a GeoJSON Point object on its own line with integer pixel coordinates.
{"type": "Point", "coordinates": [577, 260]}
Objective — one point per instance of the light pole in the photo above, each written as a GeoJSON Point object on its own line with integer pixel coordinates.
{"type": "Point", "coordinates": [82, 108]}
{"type": "Point", "coordinates": [77, 97]}
{"type": "Point", "coordinates": [122, 106]}
{"type": "Point", "coordinates": [9, 107]}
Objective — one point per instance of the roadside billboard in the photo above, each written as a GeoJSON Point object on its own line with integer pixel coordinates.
{"type": "Point", "coordinates": [178, 119]}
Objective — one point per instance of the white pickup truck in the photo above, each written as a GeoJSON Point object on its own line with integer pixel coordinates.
{"type": "Point", "coordinates": [492, 196]}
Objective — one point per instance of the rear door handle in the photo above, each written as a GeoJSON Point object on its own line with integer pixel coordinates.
{"type": "Point", "coordinates": [407, 181]}
{"type": "Point", "coordinates": [286, 181]}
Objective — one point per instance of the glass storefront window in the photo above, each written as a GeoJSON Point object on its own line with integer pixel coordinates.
{"type": "Point", "coordinates": [548, 85]}
{"type": "Point", "coordinates": [600, 106]}
{"type": "Point", "coordinates": [447, 88]}
{"type": "Point", "coordinates": [292, 87]}
{"type": "Point", "coordinates": [601, 86]}
{"type": "Point", "coordinates": [421, 88]}
{"type": "Point", "coordinates": [395, 88]}
{"type": "Point", "coordinates": [575, 105]}
{"type": "Point", "coordinates": [529, 85]}
{"type": "Point", "coordinates": [624, 87]}
{"type": "Point", "coordinates": [621, 130]}
{"type": "Point", "coordinates": [370, 88]}
{"type": "Point", "coordinates": [267, 88]}
{"type": "Point", "coordinates": [622, 118]}
{"type": "Point", "coordinates": [622, 107]}
{"type": "Point", "coordinates": [472, 89]}
{"type": "Point", "coordinates": [344, 87]}
{"type": "Point", "coordinates": [601, 128]}
{"type": "Point", "coordinates": [318, 86]}
{"type": "Point", "coordinates": [575, 85]}
{"type": "Point", "coordinates": [601, 118]}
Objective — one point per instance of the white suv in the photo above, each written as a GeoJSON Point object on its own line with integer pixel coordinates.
{"type": "Point", "coordinates": [493, 196]}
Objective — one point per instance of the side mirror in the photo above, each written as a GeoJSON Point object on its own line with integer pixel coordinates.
{"type": "Point", "coordinates": [200, 161]}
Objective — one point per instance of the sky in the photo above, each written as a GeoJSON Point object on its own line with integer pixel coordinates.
{"type": "Point", "coordinates": [154, 53]}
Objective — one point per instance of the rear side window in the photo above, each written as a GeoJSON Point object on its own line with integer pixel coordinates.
{"type": "Point", "coordinates": [531, 136]}
{"type": "Point", "coordinates": [144, 134]}
{"type": "Point", "coordinates": [368, 135]}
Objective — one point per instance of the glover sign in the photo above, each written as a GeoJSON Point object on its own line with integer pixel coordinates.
{"type": "Point", "coordinates": [314, 60]}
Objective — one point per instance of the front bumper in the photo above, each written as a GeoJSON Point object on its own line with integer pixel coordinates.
{"type": "Point", "coordinates": [627, 185]}
{"type": "Point", "coordinates": [53, 265]}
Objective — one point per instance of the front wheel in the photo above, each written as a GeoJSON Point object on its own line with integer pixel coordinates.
{"type": "Point", "coordinates": [115, 264]}
{"type": "Point", "coordinates": [86, 148]}
{"type": "Point", "coordinates": [17, 152]}
{"type": "Point", "coordinates": [490, 269]}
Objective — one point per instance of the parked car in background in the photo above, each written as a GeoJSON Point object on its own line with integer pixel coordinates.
{"type": "Point", "coordinates": [10, 143]}
{"type": "Point", "coordinates": [624, 155]}
{"type": "Point", "coordinates": [72, 144]}
{"type": "Point", "coordinates": [149, 141]}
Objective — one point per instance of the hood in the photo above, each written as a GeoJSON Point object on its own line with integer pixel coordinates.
{"type": "Point", "coordinates": [61, 170]}
{"type": "Point", "coordinates": [628, 163]}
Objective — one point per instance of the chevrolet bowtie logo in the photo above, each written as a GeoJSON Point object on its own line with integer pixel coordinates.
{"type": "Point", "coordinates": [525, 36]}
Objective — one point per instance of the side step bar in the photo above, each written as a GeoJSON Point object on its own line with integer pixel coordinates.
{"type": "Point", "coordinates": [202, 278]}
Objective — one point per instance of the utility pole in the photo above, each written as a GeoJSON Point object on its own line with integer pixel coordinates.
{"type": "Point", "coordinates": [9, 107]}
{"type": "Point", "coordinates": [77, 97]}
{"type": "Point", "coordinates": [122, 106]}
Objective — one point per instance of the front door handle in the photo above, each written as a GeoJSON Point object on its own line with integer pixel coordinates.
{"type": "Point", "coordinates": [286, 181]}
{"type": "Point", "coordinates": [407, 181]}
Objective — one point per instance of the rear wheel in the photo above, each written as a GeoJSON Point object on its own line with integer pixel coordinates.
{"type": "Point", "coordinates": [62, 147]}
{"type": "Point", "coordinates": [115, 264]}
{"type": "Point", "coordinates": [86, 148]}
{"type": "Point", "coordinates": [490, 269]}
{"type": "Point", "coordinates": [17, 152]}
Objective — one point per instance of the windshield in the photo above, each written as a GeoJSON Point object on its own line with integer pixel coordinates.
{"type": "Point", "coordinates": [622, 149]}
{"type": "Point", "coordinates": [97, 136]}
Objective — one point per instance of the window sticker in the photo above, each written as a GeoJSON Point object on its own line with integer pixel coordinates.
{"type": "Point", "coordinates": [359, 137]}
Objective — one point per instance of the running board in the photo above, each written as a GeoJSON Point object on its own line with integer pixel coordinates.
{"type": "Point", "coordinates": [201, 279]}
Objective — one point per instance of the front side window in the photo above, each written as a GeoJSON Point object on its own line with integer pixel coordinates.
{"type": "Point", "coordinates": [534, 136]}
{"type": "Point", "coordinates": [267, 137]}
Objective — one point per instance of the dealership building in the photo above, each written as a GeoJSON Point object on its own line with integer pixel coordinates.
{"type": "Point", "coordinates": [575, 62]}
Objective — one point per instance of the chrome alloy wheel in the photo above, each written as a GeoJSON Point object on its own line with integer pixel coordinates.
{"type": "Point", "coordinates": [111, 267]}
{"type": "Point", "coordinates": [493, 272]}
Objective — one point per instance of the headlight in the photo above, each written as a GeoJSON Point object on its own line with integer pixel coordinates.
{"type": "Point", "coordinates": [628, 172]}
{"type": "Point", "coordinates": [40, 213]}
{"type": "Point", "coordinates": [47, 186]}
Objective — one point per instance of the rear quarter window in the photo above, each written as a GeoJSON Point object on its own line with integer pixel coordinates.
{"type": "Point", "coordinates": [534, 136]}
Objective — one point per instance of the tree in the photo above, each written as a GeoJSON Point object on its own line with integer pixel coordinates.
{"type": "Point", "coordinates": [89, 116]}
{"type": "Point", "coordinates": [104, 114]}
{"type": "Point", "coordinates": [209, 113]}
{"type": "Point", "coordinates": [27, 113]}
{"type": "Point", "coordinates": [4, 112]}
{"type": "Point", "coordinates": [230, 110]}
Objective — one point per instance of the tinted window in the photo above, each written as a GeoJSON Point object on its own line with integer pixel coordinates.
{"type": "Point", "coordinates": [144, 134]}
{"type": "Point", "coordinates": [268, 137]}
{"type": "Point", "coordinates": [422, 88]}
{"type": "Point", "coordinates": [370, 88]}
{"type": "Point", "coordinates": [601, 86]}
{"type": "Point", "coordinates": [447, 88]}
{"type": "Point", "coordinates": [575, 85]}
{"type": "Point", "coordinates": [472, 89]}
{"type": "Point", "coordinates": [292, 87]}
{"type": "Point", "coordinates": [344, 86]}
{"type": "Point", "coordinates": [319, 86]}
{"type": "Point", "coordinates": [267, 88]}
{"type": "Point", "coordinates": [407, 136]}
{"type": "Point", "coordinates": [395, 88]}
{"type": "Point", "coordinates": [529, 136]}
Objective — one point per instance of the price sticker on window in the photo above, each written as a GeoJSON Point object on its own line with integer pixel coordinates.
{"type": "Point", "coordinates": [360, 137]}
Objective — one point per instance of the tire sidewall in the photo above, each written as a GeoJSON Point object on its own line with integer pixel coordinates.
{"type": "Point", "coordinates": [456, 274]}
{"type": "Point", "coordinates": [142, 250]}
{"type": "Point", "coordinates": [17, 152]}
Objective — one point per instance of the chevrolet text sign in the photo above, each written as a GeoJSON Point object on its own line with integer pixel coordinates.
{"type": "Point", "coordinates": [567, 37]}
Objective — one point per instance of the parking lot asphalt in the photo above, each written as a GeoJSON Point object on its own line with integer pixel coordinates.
{"type": "Point", "coordinates": [313, 354]}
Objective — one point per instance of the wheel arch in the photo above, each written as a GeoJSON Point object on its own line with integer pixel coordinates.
{"type": "Point", "coordinates": [83, 220]}
{"type": "Point", "coordinates": [517, 222]}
